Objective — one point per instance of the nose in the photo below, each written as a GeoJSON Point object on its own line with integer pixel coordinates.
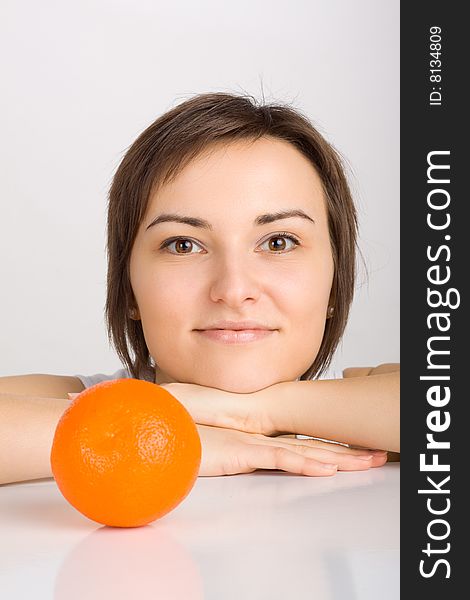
{"type": "Point", "coordinates": [234, 281]}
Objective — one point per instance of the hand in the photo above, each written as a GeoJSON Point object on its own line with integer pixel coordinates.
{"type": "Point", "coordinates": [228, 452]}
{"type": "Point", "coordinates": [219, 408]}
{"type": "Point", "coordinates": [246, 413]}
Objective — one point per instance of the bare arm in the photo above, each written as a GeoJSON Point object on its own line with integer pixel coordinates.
{"type": "Point", "coordinates": [27, 427]}
{"type": "Point", "coordinates": [383, 368]}
{"type": "Point", "coordinates": [42, 386]}
{"type": "Point", "coordinates": [30, 408]}
{"type": "Point", "coordinates": [361, 409]}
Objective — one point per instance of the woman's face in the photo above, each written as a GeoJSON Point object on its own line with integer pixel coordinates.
{"type": "Point", "coordinates": [235, 262]}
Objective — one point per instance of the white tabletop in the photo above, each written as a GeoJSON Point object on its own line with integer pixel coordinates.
{"type": "Point", "coordinates": [264, 535]}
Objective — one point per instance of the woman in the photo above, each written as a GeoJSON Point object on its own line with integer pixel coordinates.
{"type": "Point", "coordinates": [231, 267]}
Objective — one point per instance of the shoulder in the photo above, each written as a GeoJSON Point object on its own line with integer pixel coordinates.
{"type": "Point", "coordinates": [90, 380]}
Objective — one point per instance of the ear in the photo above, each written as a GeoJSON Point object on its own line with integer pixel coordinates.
{"type": "Point", "coordinates": [134, 314]}
{"type": "Point", "coordinates": [331, 305]}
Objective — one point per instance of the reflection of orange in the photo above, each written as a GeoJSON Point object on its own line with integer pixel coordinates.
{"type": "Point", "coordinates": [125, 452]}
{"type": "Point", "coordinates": [146, 563]}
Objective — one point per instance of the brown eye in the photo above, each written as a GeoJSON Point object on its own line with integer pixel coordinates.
{"type": "Point", "coordinates": [280, 243]}
{"type": "Point", "coordinates": [181, 246]}
{"type": "Point", "coordinates": [277, 243]}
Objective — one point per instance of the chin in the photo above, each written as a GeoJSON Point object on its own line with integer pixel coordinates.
{"type": "Point", "coordinates": [239, 385]}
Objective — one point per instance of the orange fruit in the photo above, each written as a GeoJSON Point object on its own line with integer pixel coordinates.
{"type": "Point", "coordinates": [125, 452]}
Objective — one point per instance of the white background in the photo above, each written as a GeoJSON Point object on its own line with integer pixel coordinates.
{"type": "Point", "coordinates": [82, 79]}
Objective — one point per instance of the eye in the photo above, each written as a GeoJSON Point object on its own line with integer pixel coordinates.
{"type": "Point", "coordinates": [185, 245]}
{"type": "Point", "coordinates": [279, 246]}
{"type": "Point", "coordinates": [182, 245]}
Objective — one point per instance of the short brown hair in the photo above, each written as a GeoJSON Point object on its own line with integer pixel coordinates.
{"type": "Point", "coordinates": [164, 149]}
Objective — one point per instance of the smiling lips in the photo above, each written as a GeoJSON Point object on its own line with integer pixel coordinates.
{"type": "Point", "coordinates": [231, 336]}
{"type": "Point", "coordinates": [236, 332]}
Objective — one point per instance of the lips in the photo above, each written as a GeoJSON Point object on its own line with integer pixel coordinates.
{"type": "Point", "coordinates": [237, 326]}
{"type": "Point", "coordinates": [235, 336]}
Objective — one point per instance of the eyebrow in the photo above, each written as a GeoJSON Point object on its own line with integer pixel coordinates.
{"type": "Point", "coordinates": [203, 224]}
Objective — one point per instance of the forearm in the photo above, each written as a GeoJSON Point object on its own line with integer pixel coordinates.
{"type": "Point", "coordinates": [27, 427]}
{"type": "Point", "coordinates": [362, 411]}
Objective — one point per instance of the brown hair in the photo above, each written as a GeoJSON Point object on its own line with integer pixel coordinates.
{"type": "Point", "coordinates": [164, 149]}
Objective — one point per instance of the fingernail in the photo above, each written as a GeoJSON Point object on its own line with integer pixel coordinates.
{"type": "Point", "coordinates": [365, 457]}
{"type": "Point", "coordinates": [329, 467]}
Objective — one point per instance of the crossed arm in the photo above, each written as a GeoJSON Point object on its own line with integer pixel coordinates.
{"type": "Point", "coordinates": [362, 409]}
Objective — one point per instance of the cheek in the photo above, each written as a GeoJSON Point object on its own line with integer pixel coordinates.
{"type": "Point", "coordinates": [305, 302]}
{"type": "Point", "coordinates": [304, 293]}
{"type": "Point", "coordinates": [164, 312]}
{"type": "Point", "coordinates": [166, 300]}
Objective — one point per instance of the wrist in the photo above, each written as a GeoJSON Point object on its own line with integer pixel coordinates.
{"type": "Point", "coordinates": [275, 409]}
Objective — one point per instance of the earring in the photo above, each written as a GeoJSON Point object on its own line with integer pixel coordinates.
{"type": "Point", "coordinates": [331, 310]}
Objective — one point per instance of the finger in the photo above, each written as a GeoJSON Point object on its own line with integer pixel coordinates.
{"type": "Point", "coordinates": [355, 447]}
{"type": "Point", "coordinates": [334, 447]}
{"type": "Point", "coordinates": [380, 456]}
{"type": "Point", "coordinates": [379, 460]}
{"type": "Point", "coordinates": [279, 457]}
{"type": "Point", "coordinates": [346, 461]}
